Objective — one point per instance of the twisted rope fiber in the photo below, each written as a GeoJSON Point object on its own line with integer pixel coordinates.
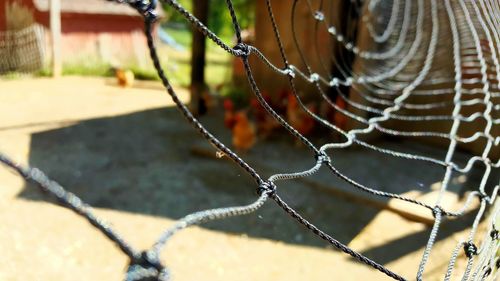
{"type": "Point", "coordinates": [394, 116]}
{"type": "Point", "coordinates": [476, 136]}
{"type": "Point", "coordinates": [469, 245]}
{"type": "Point", "coordinates": [68, 200]}
{"type": "Point", "coordinates": [385, 81]}
{"type": "Point", "coordinates": [319, 119]}
{"type": "Point", "coordinates": [248, 68]}
{"type": "Point", "coordinates": [438, 211]}
{"type": "Point", "coordinates": [335, 243]}
{"type": "Point", "coordinates": [322, 121]}
{"type": "Point", "coordinates": [326, 123]}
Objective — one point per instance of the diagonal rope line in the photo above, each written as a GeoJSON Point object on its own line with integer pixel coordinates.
{"type": "Point", "coordinates": [401, 69]}
{"type": "Point", "coordinates": [68, 200]}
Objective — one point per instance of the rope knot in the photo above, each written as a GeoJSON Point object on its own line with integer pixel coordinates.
{"type": "Point", "coordinates": [241, 50]}
{"type": "Point", "coordinates": [147, 8]}
{"type": "Point", "coordinates": [482, 195]}
{"type": "Point", "coordinates": [348, 81]}
{"type": "Point", "coordinates": [437, 210]}
{"type": "Point", "coordinates": [334, 82]}
{"type": "Point", "coordinates": [470, 249]}
{"type": "Point", "coordinates": [314, 77]}
{"type": "Point", "coordinates": [494, 234]}
{"type": "Point", "coordinates": [323, 158]}
{"type": "Point", "coordinates": [266, 187]}
{"type": "Point", "coordinates": [146, 268]}
{"type": "Point", "coordinates": [289, 71]}
{"type": "Point", "coordinates": [318, 15]}
{"type": "Point", "coordinates": [486, 273]}
{"type": "Point", "coordinates": [332, 30]}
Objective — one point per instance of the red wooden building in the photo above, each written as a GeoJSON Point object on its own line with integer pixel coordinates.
{"type": "Point", "coordinates": [92, 28]}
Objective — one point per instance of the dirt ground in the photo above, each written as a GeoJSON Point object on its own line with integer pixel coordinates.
{"type": "Point", "coordinates": [128, 153]}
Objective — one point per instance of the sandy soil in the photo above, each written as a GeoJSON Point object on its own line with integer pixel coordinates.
{"type": "Point", "coordinates": [127, 153]}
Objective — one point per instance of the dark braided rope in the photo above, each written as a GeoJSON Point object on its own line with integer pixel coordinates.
{"type": "Point", "coordinates": [274, 195]}
{"type": "Point", "coordinates": [237, 51]}
{"type": "Point", "coordinates": [70, 201]}
{"type": "Point", "coordinates": [273, 113]}
{"type": "Point", "coordinates": [255, 88]}
{"type": "Point", "coordinates": [322, 121]}
{"type": "Point", "coordinates": [202, 28]}
{"type": "Point", "coordinates": [214, 141]}
{"type": "Point", "coordinates": [188, 115]}
{"type": "Point", "coordinates": [318, 232]}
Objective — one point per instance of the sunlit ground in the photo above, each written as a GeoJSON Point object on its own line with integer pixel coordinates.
{"type": "Point", "coordinates": [128, 152]}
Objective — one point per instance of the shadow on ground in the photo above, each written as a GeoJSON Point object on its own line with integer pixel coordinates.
{"type": "Point", "coordinates": [143, 163]}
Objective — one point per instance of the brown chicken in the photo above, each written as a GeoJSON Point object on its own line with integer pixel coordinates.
{"type": "Point", "coordinates": [243, 132]}
{"type": "Point", "coordinates": [266, 124]}
{"type": "Point", "coordinates": [298, 118]}
{"type": "Point", "coordinates": [125, 77]}
{"type": "Point", "coordinates": [229, 115]}
{"type": "Point", "coordinates": [207, 101]}
{"type": "Point", "coordinates": [281, 103]}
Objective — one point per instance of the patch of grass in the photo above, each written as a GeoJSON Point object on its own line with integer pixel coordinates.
{"type": "Point", "coordinates": [88, 68]}
{"type": "Point", "coordinates": [144, 74]}
{"type": "Point", "coordinates": [180, 35]}
{"type": "Point", "coordinates": [178, 71]}
{"type": "Point", "coordinates": [216, 74]}
{"type": "Point", "coordinates": [237, 94]}
{"type": "Point", "coordinates": [98, 69]}
{"type": "Point", "coordinates": [183, 36]}
{"type": "Point", "coordinates": [12, 75]}
{"type": "Point", "coordinates": [178, 63]}
{"type": "Point", "coordinates": [44, 72]}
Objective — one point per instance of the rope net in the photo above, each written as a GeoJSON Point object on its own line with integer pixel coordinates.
{"type": "Point", "coordinates": [418, 52]}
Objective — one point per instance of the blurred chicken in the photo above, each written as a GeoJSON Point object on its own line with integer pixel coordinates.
{"type": "Point", "coordinates": [229, 115]}
{"type": "Point", "coordinates": [243, 132]}
{"type": "Point", "coordinates": [208, 100]}
{"type": "Point", "coordinates": [125, 77]}
{"type": "Point", "coordinates": [266, 124]}
{"type": "Point", "coordinates": [298, 118]}
{"type": "Point", "coordinates": [202, 99]}
{"type": "Point", "coordinates": [281, 103]}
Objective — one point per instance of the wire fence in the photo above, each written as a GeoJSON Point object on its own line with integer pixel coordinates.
{"type": "Point", "coordinates": [403, 64]}
{"type": "Point", "coordinates": [22, 50]}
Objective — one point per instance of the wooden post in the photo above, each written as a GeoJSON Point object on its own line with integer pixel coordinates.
{"type": "Point", "coordinates": [55, 30]}
{"type": "Point", "coordinates": [197, 104]}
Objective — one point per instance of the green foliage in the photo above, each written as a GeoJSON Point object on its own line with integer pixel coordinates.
{"type": "Point", "coordinates": [219, 19]}
{"type": "Point", "coordinates": [11, 75]}
{"type": "Point", "coordinates": [237, 94]}
{"type": "Point", "coordinates": [83, 68]}
{"type": "Point", "coordinates": [144, 73]}
{"type": "Point", "coordinates": [92, 67]}
{"type": "Point", "coordinates": [178, 68]}
{"type": "Point", "coordinates": [181, 35]}
{"type": "Point", "coordinates": [44, 72]}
